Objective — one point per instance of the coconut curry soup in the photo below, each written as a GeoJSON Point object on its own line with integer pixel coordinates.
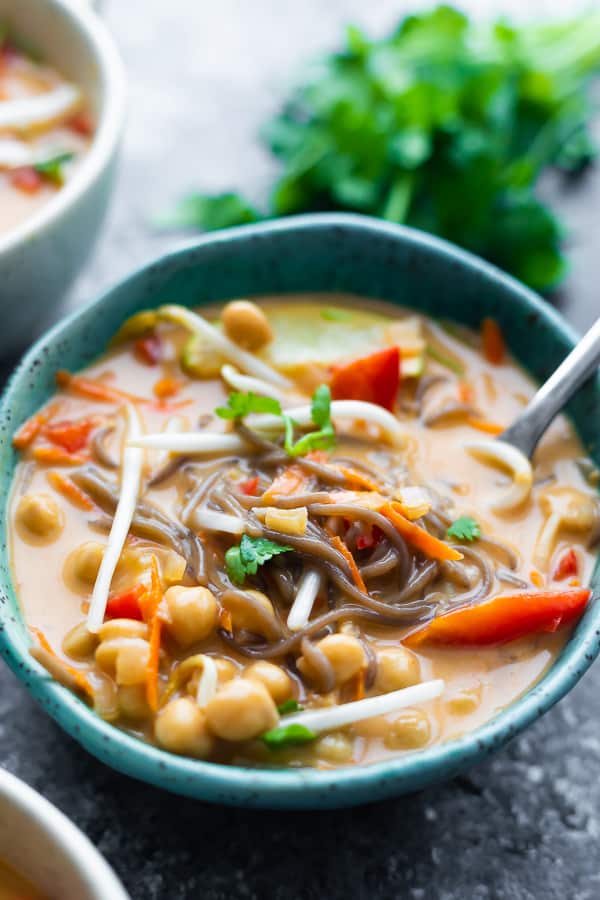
{"type": "Point", "coordinates": [282, 533]}
{"type": "Point", "coordinates": [45, 131]}
{"type": "Point", "coordinates": [14, 887]}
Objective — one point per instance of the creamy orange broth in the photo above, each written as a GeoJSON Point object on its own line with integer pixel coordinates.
{"type": "Point", "coordinates": [492, 677]}
{"type": "Point", "coordinates": [23, 191]}
{"type": "Point", "coordinates": [14, 887]}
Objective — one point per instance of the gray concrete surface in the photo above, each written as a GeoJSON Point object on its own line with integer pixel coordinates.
{"type": "Point", "coordinates": [524, 825]}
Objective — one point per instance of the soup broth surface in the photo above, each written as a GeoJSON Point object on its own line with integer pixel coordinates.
{"type": "Point", "coordinates": [479, 681]}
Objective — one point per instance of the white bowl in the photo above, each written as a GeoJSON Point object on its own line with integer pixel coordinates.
{"type": "Point", "coordinates": [44, 846]}
{"type": "Point", "coordinates": [40, 257]}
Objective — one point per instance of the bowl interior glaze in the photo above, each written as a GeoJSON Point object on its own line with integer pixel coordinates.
{"type": "Point", "coordinates": [308, 253]}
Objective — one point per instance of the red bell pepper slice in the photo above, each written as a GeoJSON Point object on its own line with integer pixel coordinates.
{"type": "Point", "coordinates": [373, 378]}
{"type": "Point", "coordinates": [126, 605]}
{"type": "Point", "coordinates": [149, 350]}
{"type": "Point", "coordinates": [503, 618]}
{"type": "Point", "coordinates": [250, 486]}
{"type": "Point", "coordinates": [568, 565]}
{"type": "Point", "coordinates": [72, 436]}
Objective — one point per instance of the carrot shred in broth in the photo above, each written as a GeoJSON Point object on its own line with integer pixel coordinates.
{"type": "Point", "coordinates": [485, 426]}
{"type": "Point", "coordinates": [430, 545]}
{"type": "Point", "coordinates": [341, 546]}
{"type": "Point", "coordinates": [94, 390]}
{"type": "Point", "coordinates": [150, 606]}
{"type": "Point", "coordinates": [492, 340]}
{"type": "Point", "coordinates": [83, 683]}
{"type": "Point", "coordinates": [70, 490]}
{"type": "Point", "coordinates": [291, 481]}
{"type": "Point", "coordinates": [30, 429]}
{"type": "Point", "coordinates": [50, 455]}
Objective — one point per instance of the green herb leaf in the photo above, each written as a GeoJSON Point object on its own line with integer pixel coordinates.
{"type": "Point", "coordinates": [446, 124]}
{"type": "Point", "coordinates": [464, 529]}
{"type": "Point", "coordinates": [251, 553]}
{"type": "Point", "coordinates": [242, 404]}
{"type": "Point", "coordinates": [52, 168]}
{"type": "Point", "coordinates": [333, 314]}
{"type": "Point", "coordinates": [288, 735]}
{"type": "Point", "coordinates": [208, 213]}
{"type": "Point", "coordinates": [289, 706]}
{"type": "Point", "coordinates": [324, 437]}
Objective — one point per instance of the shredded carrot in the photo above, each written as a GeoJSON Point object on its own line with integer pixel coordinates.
{"type": "Point", "coordinates": [290, 481]}
{"type": "Point", "coordinates": [78, 677]}
{"type": "Point", "coordinates": [574, 582]}
{"type": "Point", "coordinates": [357, 478]}
{"type": "Point", "coordinates": [71, 435]}
{"type": "Point", "coordinates": [484, 425]}
{"type": "Point", "coordinates": [536, 578]}
{"type": "Point", "coordinates": [492, 341]}
{"type": "Point", "coordinates": [154, 599]}
{"type": "Point", "coordinates": [360, 684]}
{"type": "Point", "coordinates": [225, 619]}
{"type": "Point", "coordinates": [167, 387]}
{"type": "Point", "coordinates": [357, 577]}
{"type": "Point", "coordinates": [56, 456]}
{"type": "Point", "coordinates": [320, 456]}
{"type": "Point", "coordinates": [70, 490]}
{"type": "Point", "coordinates": [94, 390]}
{"type": "Point", "coordinates": [418, 537]}
{"type": "Point", "coordinates": [30, 429]}
{"type": "Point", "coordinates": [466, 392]}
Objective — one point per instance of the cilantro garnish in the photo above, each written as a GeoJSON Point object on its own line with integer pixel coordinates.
{"type": "Point", "coordinates": [52, 168]}
{"type": "Point", "coordinates": [464, 529]}
{"type": "Point", "coordinates": [289, 706]}
{"type": "Point", "coordinates": [287, 735]}
{"type": "Point", "coordinates": [324, 437]}
{"type": "Point", "coordinates": [252, 552]}
{"type": "Point", "coordinates": [242, 404]}
{"type": "Point", "coordinates": [445, 124]}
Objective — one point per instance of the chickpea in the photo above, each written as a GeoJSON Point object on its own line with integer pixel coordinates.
{"type": "Point", "coordinates": [123, 628]}
{"type": "Point", "coordinates": [344, 652]}
{"type": "Point", "coordinates": [193, 612]}
{"type": "Point", "coordinates": [246, 324]}
{"type": "Point", "coordinates": [40, 517]}
{"type": "Point", "coordinates": [277, 682]}
{"type": "Point", "coordinates": [181, 728]}
{"type": "Point", "coordinates": [79, 643]}
{"type": "Point", "coordinates": [241, 710]}
{"type": "Point", "coordinates": [124, 658]}
{"type": "Point", "coordinates": [132, 702]}
{"type": "Point", "coordinates": [335, 747]}
{"type": "Point", "coordinates": [397, 668]}
{"type": "Point", "coordinates": [410, 730]}
{"type": "Point", "coordinates": [465, 700]}
{"type": "Point", "coordinates": [261, 621]}
{"type": "Point", "coordinates": [83, 563]}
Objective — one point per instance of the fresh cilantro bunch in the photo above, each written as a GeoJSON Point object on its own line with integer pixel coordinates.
{"type": "Point", "coordinates": [445, 125]}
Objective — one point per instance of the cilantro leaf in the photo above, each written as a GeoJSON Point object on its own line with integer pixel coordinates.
{"type": "Point", "coordinates": [241, 404]}
{"type": "Point", "coordinates": [321, 439]}
{"type": "Point", "coordinates": [207, 212]}
{"type": "Point", "coordinates": [445, 124]}
{"type": "Point", "coordinates": [52, 168]}
{"type": "Point", "coordinates": [252, 552]}
{"type": "Point", "coordinates": [464, 529]}
{"type": "Point", "coordinates": [289, 706]}
{"type": "Point", "coordinates": [288, 735]}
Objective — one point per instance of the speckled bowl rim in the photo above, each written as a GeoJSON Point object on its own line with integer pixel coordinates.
{"type": "Point", "coordinates": [112, 89]}
{"type": "Point", "coordinates": [305, 788]}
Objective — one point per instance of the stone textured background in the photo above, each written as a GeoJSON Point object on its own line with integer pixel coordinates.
{"type": "Point", "coordinates": [523, 826]}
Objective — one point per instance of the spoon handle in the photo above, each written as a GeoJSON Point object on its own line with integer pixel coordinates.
{"type": "Point", "coordinates": [581, 362]}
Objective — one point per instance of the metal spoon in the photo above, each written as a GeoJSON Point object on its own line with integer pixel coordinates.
{"type": "Point", "coordinates": [527, 429]}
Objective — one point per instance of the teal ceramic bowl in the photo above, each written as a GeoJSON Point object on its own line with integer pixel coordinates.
{"type": "Point", "coordinates": [308, 253]}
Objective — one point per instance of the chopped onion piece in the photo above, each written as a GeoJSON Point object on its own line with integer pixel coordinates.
{"type": "Point", "coordinates": [507, 457]}
{"type": "Point", "coordinates": [207, 684]}
{"type": "Point", "coordinates": [308, 588]}
{"type": "Point", "coordinates": [288, 521]}
{"type": "Point", "coordinates": [190, 442]}
{"type": "Point", "coordinates": [246, 361]}
{"type": "Point", "coordinates": [131, 474]}
{"type": "Point", "coordinates": [213, 520]}
{"type": "Point", "coordinates": [252, 385]}
{"type": "Point", "coordinates": [340, 409]}
{"type": "Point", "coordinates": [416, 501]}
{"type": "Point", "coordinates": [14, 153]}
{"type": "Point", "coordinates": [337, 716]}
{"type": "Point", "coordinates": [41, 109]}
